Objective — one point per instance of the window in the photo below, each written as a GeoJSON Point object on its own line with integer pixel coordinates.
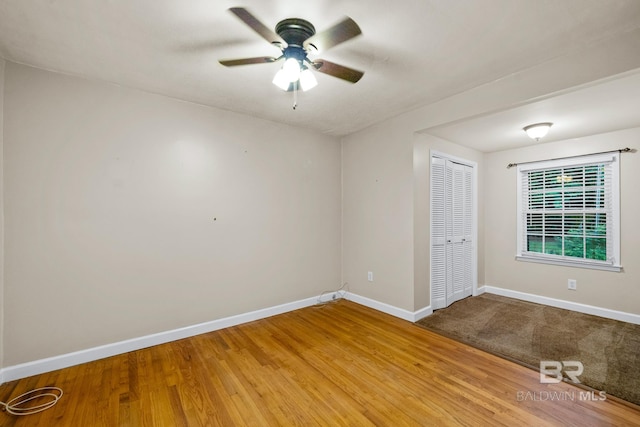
{"type": "Point", "coordinates": [568, 212]}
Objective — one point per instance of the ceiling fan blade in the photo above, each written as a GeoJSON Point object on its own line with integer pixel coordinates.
{"type": "Point", "coordinates": [257, 26]}
{"type": "Point", "coordinates": [247, 61]}
{"type": "Point", "coordinates": [336, 70]}
{"type": "Point", "coordinates": [339, 33]}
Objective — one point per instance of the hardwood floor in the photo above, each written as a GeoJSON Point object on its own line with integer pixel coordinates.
{"type": "Point", "coordinates": [339, 364]}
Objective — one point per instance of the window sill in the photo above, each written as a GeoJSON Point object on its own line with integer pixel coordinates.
{"type": "Point", "coordinates": [567, 263]}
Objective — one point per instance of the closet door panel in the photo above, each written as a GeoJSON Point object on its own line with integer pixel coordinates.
{"type": "Point", "coordinates": [452, 245]}
{"type": "Point", "coordinates": [438, 235]}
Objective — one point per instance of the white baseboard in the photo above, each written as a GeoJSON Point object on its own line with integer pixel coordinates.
{"type": "Point", "coordinates": [422, 313]}
{"type": "Point", "coordinates": [411, 316]}
{"type": "Point", "coordinates": [568, 305]}
{"type": "Point", "coordinates": [49, 364]}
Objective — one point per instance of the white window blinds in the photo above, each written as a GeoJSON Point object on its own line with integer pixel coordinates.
{"type": "Point", "coordinates": [568, 211]}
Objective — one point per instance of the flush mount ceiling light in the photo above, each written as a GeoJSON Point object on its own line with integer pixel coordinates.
{"type": "Point", "coordinates": [537, 130]}
{"type": "Point", "coordinates": [297, 38]}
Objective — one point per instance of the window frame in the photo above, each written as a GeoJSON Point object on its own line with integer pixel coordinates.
{"type": "Point", "coordinates": [612, 160]}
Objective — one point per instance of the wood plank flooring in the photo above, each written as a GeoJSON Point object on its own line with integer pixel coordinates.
{"type": "Point", "coordinates": [338, 364]}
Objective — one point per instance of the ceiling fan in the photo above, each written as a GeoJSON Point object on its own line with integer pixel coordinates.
{"type": "Point", "coordinates": [297, 38]}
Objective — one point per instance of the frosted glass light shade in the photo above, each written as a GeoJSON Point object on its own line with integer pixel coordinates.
{"type": "Point", "coordinates": [307, 80]}
{"type": "Point", "coordinates": [291, 69]}
{"type": "Point", "coordinates": [281, 80]}
{"type": "Point", "coordinates": [537, 130]}
{"type": "Point", "coordinates": [289, 73]}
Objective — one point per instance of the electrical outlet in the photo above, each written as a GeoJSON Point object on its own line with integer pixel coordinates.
{"type": "Point", "coordinates": [572, 284]}
{"type": "Point", "coordinates": [370, 276]}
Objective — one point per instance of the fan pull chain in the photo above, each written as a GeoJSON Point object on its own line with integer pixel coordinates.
{"type": "Point", "coordinates": [295, 95]}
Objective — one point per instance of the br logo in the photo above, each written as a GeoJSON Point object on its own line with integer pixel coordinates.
{"type": "Point", "coordinates": [551, 371]}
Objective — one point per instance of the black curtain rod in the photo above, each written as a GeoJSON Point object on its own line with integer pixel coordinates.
{"type": "Point", "coordinates": [620, 150]}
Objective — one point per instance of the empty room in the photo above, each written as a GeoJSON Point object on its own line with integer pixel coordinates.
{"type": "Point", "coordinates": [319, 213]}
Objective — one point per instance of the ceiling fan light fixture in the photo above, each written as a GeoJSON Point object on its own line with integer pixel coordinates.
{"type": "Point", "coordinates": [307, 79]}
{"type": "Point", "coordinates": [537, 130]}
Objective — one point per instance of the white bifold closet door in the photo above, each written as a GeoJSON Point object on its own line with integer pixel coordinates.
{"type": "Point", "coordinates": [451, 232]}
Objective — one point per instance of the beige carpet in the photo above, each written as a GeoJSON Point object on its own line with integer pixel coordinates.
{"type": "Point", "coordinates": [528, 333]}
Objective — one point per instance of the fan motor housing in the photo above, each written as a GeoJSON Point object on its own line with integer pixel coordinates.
{"type": "Point", "coordinates": [295, 31]}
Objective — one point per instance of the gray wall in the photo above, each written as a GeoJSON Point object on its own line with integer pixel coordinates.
{"type": "Point", "coordinates": [129, 213]}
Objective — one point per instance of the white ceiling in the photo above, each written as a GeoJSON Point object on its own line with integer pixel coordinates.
{"type": "Point", "coordinates": [413, 52]}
